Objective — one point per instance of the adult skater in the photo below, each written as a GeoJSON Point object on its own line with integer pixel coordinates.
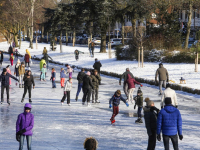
{"type": "Point", "coordinates": [27, 60]}
{"type": "Point", "coordinates": [150, 117]}
{"type": "Point", "coordinates": [170, 122]}
{"type": "Point", "coordinates": [80, 76]}
{"type": "Point", "coordinates": [90, 143]}
{"type": "Point", "coordinates": [163, 76]}
{"type": "Point", "coordinates": [97, 65]}
{"type": "Point", "coordinates": [87, 88]}
{"type": "Point", "coordinates": [169, 93]}
{"type": "Point", "coordinates": [125, 76]}
{"type": "Point", "coordinates": [96, 79]}
{"type": "Point", "coordinates": [4, 79]}
{"type": "Point", "coordinates": [21, 75]}
{"type": "Point", "coordinates": [76, 53]}
{"type": "Point", "coordinates": [28, 82]}
{"type": "Point", "coordinates": [46, 58]}
{"type": "Point", "coordinates": [91, 47]}
{"type": "Point", "coordinates": [67, 89]}
{"type": "Point", "coordinates": [1, 59]}
{"type": "Point", "coordinates": [24, 126]}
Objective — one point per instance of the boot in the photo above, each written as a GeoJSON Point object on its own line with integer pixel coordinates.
{"type": "Point", "coordinates": [8, 101]}
{"type": "Point", "coordinates": [139, 120]}
{"type": "Point", "coordinates": [22, 100]}
{"type": "Point", "coordinates": [92, 101]}
{"type": "Point", "coordinates": [22, 86]}
{"type": "Point", "coordinates": [30, 100]}
{"type": "Point", "coordinates": [1, 101]}
{"type": "Point", "coordinates": [76, 98]}
{"type": "Point", "coordinates": [88, 104]}
{"type": "Point", "coordinates": [83, 103]}
{"type": "Point", "coordinates": [97, 101]}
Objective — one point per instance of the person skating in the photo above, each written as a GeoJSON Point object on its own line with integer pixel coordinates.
{"type": "Point", "coordinates": [28, 82]}
{"type": "Point", "coordinates": [67, 89]}
{"type": "Point", "coordinates": [139, 102]}
{"type": "Point", "coordinates": [4, 79]}
{"type": "Point", "coordinates": [43, 73]}
{"type": "Point", "coordinates": [80, 76]}
{"type": "Point", "coordinates": [90, 143]}
{"type": "Point", "coordinates": [62, 77]}
{"type": "Point", "coordinates": [76, 53]}
{"type": "Point", "coordinates": [91, 47]}
{"type": "Point", "coordinates": [131, 87]}
{"type": "Point", "coordinates": [69, 70]}
{"type": "Point", "coordinates": [27, 60]}
{"type": "Point", "coordinates": [96, 79]}
{"type": "Point", "coordinates": [11, 59]}
{"type": "Point", "coordinates": [9, 71]}
{"type": "Point", "coordinates": [114, 102]}
{"type": "Point", "coordinates": [163, 76]}
{"type": "Point", "coordinates": [87, 88]}
{"type": "Point", "coordinates": [16, 71]}
{"type": "Point", "coordinates": [53, 78]}
{"type": "Point", "coordinates": [170, 122]}
{"type": "Point", "coordinates": [46, 58]}
{"type": "Point", "coordinates": [42, 62]}
{"type": "Point", "coordinates": [169, 93]}
{"type": "Point", "coordinates": [24, 126]}
{"type": "Point", "coordinates": [125, 76]}
{"type": "Point", "coordinates": [17, 53]}
{"type": "Point", "coordinates": [1, 59]}
{"type": "Point", "coordinates": [21, 70]}
{"type": "Point", "coordinates": [97, 65]}
{"type": "Point", "coordinates": [150, 117]}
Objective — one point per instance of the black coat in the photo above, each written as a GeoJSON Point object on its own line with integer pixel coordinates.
{"type": "Point", "coordinates": [97, 65]}
{"type": "Point", "coordinates": [125, 76]}
{"type": "Point", "coordinates": [1, 60]}
{"type": "Point", "coordinates": [87, 82]}
{"type": "Point", "coordinates": [17, 70]}
{"type": "Point", "coordinates": [80, 77]}
{"type": "Point", "coordinates": [46, 58]}
{"type": "Point", "coordinates": [4, 79]}
{"type": "Point", "coordinates": [29, 81]}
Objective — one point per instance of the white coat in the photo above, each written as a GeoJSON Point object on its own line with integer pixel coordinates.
{"type": "Point", "coordinates": [169, 93]}
{"type": "Point", "coordinates": [68, 86]}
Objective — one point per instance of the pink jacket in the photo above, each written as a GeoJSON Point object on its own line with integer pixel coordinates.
{"type": "Point", "coordinates": [131, 82]}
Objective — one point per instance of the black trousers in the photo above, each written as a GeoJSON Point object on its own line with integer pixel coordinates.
{"type": "Point", "coordinates": [2, 92]}
{"type": "Point", "coordinates": [27, 64]}
{"type": "Point", "coordinates": [174, 140]}
{"type": "Point", "coordinates": [95, 93]}
{"type": "Point", "coordinates": [152, 141]}
{"type": "Point", "coordinates": [67, 95]}
{"type": "Point", "coordinates": [27, 88]}
{"type": "Point", "coordinates": [86, 95]}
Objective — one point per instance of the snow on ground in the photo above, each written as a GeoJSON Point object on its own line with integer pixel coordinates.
{"type": "Point", "coordinates": [176, 71]}
{"type": "Point", "coordinates": [66, 127]}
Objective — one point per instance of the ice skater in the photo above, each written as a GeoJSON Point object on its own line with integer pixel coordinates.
{"type": "Point", "coordinates": [80, 76]}
{"type": "Point", "coordinates": [69, 70]}
{"type": "Point", "coordinates": [1, 59]}
{"type": "Point", "coordinates": [114, 102]}
{"type": "Point", "coordinates": [53, 78]}
{"type": "Point", "coordinates": [24, 126]}
{"type": "Point", "coordinates": [76, 53]}
{"type": "Point", "coordinates": [43, 73]}
{"type": "Point", "coordinates": [16, 71]}
{"type": "Point", "coordinates": [9, 71]}
{"type": "Point", "coordinates": [67, 89]}
{"type": "Point", "coordinates": [21, 75]}
{"type": "Point", "coordinates": [62, 77]}
{"type": "Point", "coordinates": [96, 79]}
{"type": "Point", "coordinates": [139, 102]}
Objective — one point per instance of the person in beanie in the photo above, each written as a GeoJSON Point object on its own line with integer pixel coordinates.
{"type": "Point", "coordinates": [27, 59]}
{"type": "Point", "coordinates": [4, 79]}
{"type": "Point", "coordinates": [24, 126]}
{"type": "Point", "coordinates": [67, 89]}
{"type": "Point", "coordinates": [139, 102]}
{"type": "Point", "coordinates": [125, 76]}
{"type": "Point", "coordinates": [90, 143]}
{"type": "Point", "coordinates": [21, 70]}
{"type": "Point", "coordinates": [1, 59]}
{"type": "Point", "coordinates": [53, 78]}
{"type": "Point", "coordinates": [163, 76]}
{"type": "Point", "coordinates": [131, 86]}
{"type": "Point", "coordinates": [69, 70]}
{"type": "Point", "coordinates": [97, 65]}
{"type": "Point", "coordinates": [80, 76]}
{"type": "Point", "coordinates": [9, 71]}
{"type": "Point", "coordinates": [169, 93]}
{"type": "Point", "coordinates": [96, 79]}
{"type": "Point", "coordinates": [62, 77]}
{"type": "Point", "coordinates": [87, 88]}
{"type": "Point", "coordinates": [16, 71]}
{"type": "Point", "coordinates": [76, 53]}
{"type": "Point", "coordinates": [170, 122]}
{"type": "Point", "coordinates": [43, 73]}
{"type": "Point", "coordinates": [28, 82]}
{"type": "Point", "coordinates": [114, 102]}
{"type": "Point", "coordinates": [11, 59]}
{"type": "Point", "coordinates": [150, 117]}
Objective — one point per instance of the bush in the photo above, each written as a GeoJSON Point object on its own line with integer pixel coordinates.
{"type": "Point", "coordinates": [124, 53]}
{"type": "Point", "coordinates": [182, 57]}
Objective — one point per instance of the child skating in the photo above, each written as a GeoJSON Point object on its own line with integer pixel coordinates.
{"type": "Point", "coordinates": [53, 78]}
{"type": "Point", "coordinates": [139, 102]}
{"type": "Point", "coordinates": [69, 70]}
{"type": "Point", "coordinates": [16, 71]}
{"type": "Point", "coordinates": [43, 73]}
{"type": "Point", "coordinates": [76, 53]}
{"type": "Point", "coordinates": [11, 59]}
{"type": "Point", "coordinates": [9, 71]}
{"type": "Point", "coordinates": [62, 77]}
{"type": "Point", "coordinates": [21, 70]}
{"type": "Point", "coordinates": [114, 102]}
{"type": "Point", "coordinates": [67, 89]}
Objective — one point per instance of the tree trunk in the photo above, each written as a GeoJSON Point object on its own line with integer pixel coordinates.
{"type": "Point", "coordinates": [36, 42]}
{"type": "Point", "coordinates": [20, 38]}
{"type": "Point", "coordinates": [24, 33]}
{"type": "Point", "coordinates": [42, 33]}
{"type": "Point", "coordinates": [188, 24]}
{"type": "Point", "coordinates": [74, 37]}
{"type": "Point", "coordinates": [142, 57]}
{"type": "Point", "coordinates": [61, 42]}
{"type": "Point", "coordinates": [134, 27]}
{"type": "Point", "coordinates": [103, 41]}
{"type": "Point", "coordinates": [123, 33]}
{"type": "Point", "coordinates": [31, 36]}
{"type": "Point", "coordinates": [138, 56]}
{"type": "Point", "coordinates": [66, 38]}
{"type": "Point", "coordinates": [16, 40]}
{"type": "Point", "coordinates": [47, 38]}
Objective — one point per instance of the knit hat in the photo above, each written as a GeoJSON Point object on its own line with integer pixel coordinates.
{"type": "Point", "coordinates": [18, 61]}
{"type": "Point", "coordinates": [88, 73]}
{"type": "Point", "coordinates": [4, 69]}
{"type": "Point", "coordinates": [118, 92]}
{"type": "Point", "coordinates": [90, 143]}
{"type": "Point", "coordinates": [168, 100]}
{"type": "Point", "coordinates": [8, 66]}
{"type": "Point", "coordinates": [127, 69]}
{"type": "Point", "coordinates": [139, 90]}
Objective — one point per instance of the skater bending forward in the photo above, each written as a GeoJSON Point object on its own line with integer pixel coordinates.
{"type": "Point", "coordinates": [115, 101]}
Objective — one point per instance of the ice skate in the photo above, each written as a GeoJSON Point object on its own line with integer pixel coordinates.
{"type": "Point", "coordinates": [69, 104]}
{"type": "Point", "coordinates": [76, 98]}
{"type": "Point", "coordinates": [8, 103]}
{"type": "Point", "coordinates": [22, 100]}
{"type": "Point", "coordinates": [20, 86]}
{"type": "Point", "coordinates": [16, 83]}
{"type": "Point", "coordinates": [83, 103]}
{"type": "Point", "coordinates": [92, 101]}
{"type": "Point", "coordinates": [88, 104]}
{"type": "Point", "coordinates": [30, 100]}
{"type": "Point", "coordinates": [61, 103]}
{"type": "Point", "coordinates": [139, 120]}
{"type": "Point", "coordinates": [97, 101]}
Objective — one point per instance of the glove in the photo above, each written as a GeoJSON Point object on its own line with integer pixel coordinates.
{"type": "Point", "coordinates": [18, 137]}
{"type": "Point", "coordinates": [158, 137]}
{"type": "Point", "coordinates": [141, 85]}
{"type": "Point", "coordinates": [161, 107]}
{"type": "Point", "coordinates": [176, 106]}
{"type": "Point", "coordinates": [65, 92]}
{"type": "Point", "coordinates": [180, 137]}
{"type": "Point", "coordinates": [110, 106]}
{"type": "Point", "coordinates": [21, 131]}
{"type": "Point", "coordinates": [127, 104]}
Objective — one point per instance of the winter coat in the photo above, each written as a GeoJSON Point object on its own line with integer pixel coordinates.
{"type": "Point", "coordinates": [169, 93]}
{"type": "Point", "coordinates": [1, 59]}
{"type": "Point", "coordinates": [9, 71]}
{"type": "Point", "coordinates": [44, 70]}
{"type": "Point", "coordinates": [97, 65]}
{"type": "Point", "coordinates": [80, 77]}
{"type": "Point", "coordinates": [53, 75]}
{"type": "Point", "coordinates": [21, 70]}
{"type": "Point", "coordinates": [25, 121]}
{"type": "Point", "coordinates": [96, 80]}
{"type": "Point", "coordinates": [42, 62]}
{"type": "Point", "coordinates": [10, 50]}
{"type": "Point", "coordinates": [169, 121]}
{"type": "Point", "coordinates": [150, 118]}
{"type": "Point", "coordinates": [91, 45]}
{"type": "Point", "coordinates": [46, 57]}
{"type": "Point", "coordinates": [69, 69]}
{"type": "Point", "coordinates": [115, 100]}
{"type": "Point", "coordinates": [139, 100]}
{"type": "Point", "coordinates": [26, 58]}
{"type": "Point", "coordinates": [29, 81]}
{"type": "Point", "coordinates": [131, 82]}
{"type": "Point", "coordinates": [62, 74]}
{"type": "Point", "coordinates": [17, 70]}
{"type": "Point", "coordinates": [12, 58]}
{"type": "Point", "coordinates": [87, 82]}
{"type": "Point", "coordinates": [27, 51]}
{"type": "Point", "coordinates": [4, 79]}
{"type": "Point", "coordinates": [125, 76]}
{"type": "Point", "coordinates": [68, 86]}
{"type": "Point", "coordinates": [162, 73]}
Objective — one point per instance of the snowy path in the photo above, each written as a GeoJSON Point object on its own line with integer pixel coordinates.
{"type": "Point", "coordinates": [66, 127]}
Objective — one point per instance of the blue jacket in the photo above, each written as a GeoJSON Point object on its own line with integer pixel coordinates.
{"type": "Point", "coordinates": [169, 121]}
{"type": "Point", "coordinates": [53, 75]}
{"type": "Point", "coordinates": [115, 100]}
{"type": "Point", "coordinates": [62, 74]}
{"type": "Point", "coordinates": [4, 79]}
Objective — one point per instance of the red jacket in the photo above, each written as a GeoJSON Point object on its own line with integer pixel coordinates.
{"type": "Point", "coordinates": [26, 58]}
{"type": "Point", "coordinates": [131, 82]}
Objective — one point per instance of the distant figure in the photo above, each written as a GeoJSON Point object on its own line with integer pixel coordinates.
{"type": "Point", "coordinates": [1, 59]}
{"type": "Point", "coordinates": [90, 143]}
{"type": "Point", "coordinates": [27, 60]}
{"type": "Point", "coordinates": [97, 65]}
{"type": "Point", "coordinates": [76, 53]}
{"type": "Point", "coordinates": [91, 48]}
{"type": "Point", "coordinates": [53, 78]}
{"type": "Point", "coordinates": [163, 76]}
